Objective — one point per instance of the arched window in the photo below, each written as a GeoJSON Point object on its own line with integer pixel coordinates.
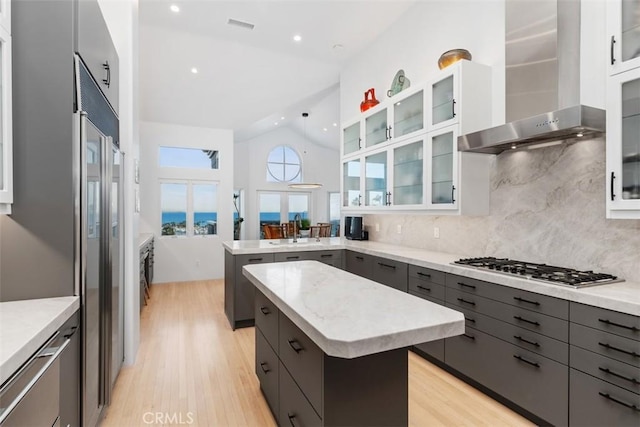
{"type": "Point", "coordinates": [283, 165]}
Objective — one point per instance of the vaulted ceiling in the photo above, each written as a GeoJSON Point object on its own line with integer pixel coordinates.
{"type": "Point", "coordinates": [250, 79]}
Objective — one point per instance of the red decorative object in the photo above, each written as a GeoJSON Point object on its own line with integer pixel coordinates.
{"type": "Point", "coordinates": [369, 100]}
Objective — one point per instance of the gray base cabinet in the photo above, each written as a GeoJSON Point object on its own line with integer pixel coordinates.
{"type": "Point", "coordinates": [359, 264]}
{"type": "Point", "coordinates": [304, 386]}
{"type": "Point", "coordinates": [428, 284]}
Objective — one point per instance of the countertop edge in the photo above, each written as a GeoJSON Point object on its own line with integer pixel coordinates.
{"type": "Point", "coordinates": [32, 342]}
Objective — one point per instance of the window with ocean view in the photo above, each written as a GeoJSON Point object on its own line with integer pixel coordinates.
{"type": "Point", "coordinates": [189, 208]}
{"type": "Point", "coordinates": [205, 209]}
{"type": "Point", "coordinates": [173, 202]}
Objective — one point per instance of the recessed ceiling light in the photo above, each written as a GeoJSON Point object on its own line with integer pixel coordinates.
{"type": "Point", "coordinates": [335, 124]}
{"type": "Point", "coordinates": [282, 118]}
{"type": "Point", "coordinates": [275, 124]}
{"type": "Point", "coordinates": [194, 70]}
{"type": "Point", "coordinates": [174, 8]}
{"type": "Point", "coordinates": [324, 129]}
{"type": "Point", "coordinates": [297, 38]}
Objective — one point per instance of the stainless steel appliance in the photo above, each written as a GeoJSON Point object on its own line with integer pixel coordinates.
{"type": "Point", "coordinates": [541, 272]}
{"type": "Point", "coordinates": [354, 229]}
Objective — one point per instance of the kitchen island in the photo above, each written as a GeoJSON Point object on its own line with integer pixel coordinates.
{"type": "Point", "coordinates": [331, 347]}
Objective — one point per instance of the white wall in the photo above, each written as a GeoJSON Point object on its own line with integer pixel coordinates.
{"type": "Point", "coordinates": [319, 164]}
{"type": "Point", "coordinates": [415, 42]}
{"type": "Point", "coordinates": [191, 258]}
{"type": "Point", "coordinates": [121, 17]}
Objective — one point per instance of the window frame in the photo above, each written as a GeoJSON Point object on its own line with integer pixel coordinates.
{"type": "Point", "coordinates": [271, 178]}
{"type": "Point", "coordinates": [190, 211]}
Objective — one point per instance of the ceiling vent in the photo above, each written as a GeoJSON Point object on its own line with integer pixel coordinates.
{"type": "Point", "coordinates": [241, 24]}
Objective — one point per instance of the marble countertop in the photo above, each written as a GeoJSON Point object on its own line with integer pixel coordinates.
{"type": "Point", "coordinates": [623, 296]}
{"type": "Point", "coordinates": [144, 238]}
{"type": "Point", "coordinates": [349, 316]}
{"type": "Point", "coordinates": [25, 327]}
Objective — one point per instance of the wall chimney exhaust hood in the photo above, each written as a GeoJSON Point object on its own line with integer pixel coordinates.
{"type": "Point", "coordinates": [543, 82]}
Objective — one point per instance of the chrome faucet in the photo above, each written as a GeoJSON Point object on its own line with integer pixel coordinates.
{"type": "Point", "coordinates": [297, 223]}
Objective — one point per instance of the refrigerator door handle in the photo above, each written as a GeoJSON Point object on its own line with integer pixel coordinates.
{"type": "Point", "coordinates": [79, 174]}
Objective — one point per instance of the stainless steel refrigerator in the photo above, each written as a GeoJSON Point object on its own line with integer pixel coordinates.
{"type": "Point", "coordinates": [99, 239]}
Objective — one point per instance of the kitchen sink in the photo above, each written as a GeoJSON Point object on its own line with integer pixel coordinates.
{"type": "Point", "coordinates": [289, 243]}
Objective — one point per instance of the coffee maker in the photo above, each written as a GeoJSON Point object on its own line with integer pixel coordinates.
{"type": "Point", "coordinates": [353, 229]}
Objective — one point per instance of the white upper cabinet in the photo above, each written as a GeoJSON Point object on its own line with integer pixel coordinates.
{"type": "Point", "coordinates": [403, 154]}
{"type": "Point", "coordinates": [623, 30]}
{"type": "Point", "coordinates": [6, 134]}
{"type": "Point", "coordinates": [623, 145]}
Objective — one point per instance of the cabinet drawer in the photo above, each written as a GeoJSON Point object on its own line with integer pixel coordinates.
{"type": "Point", "coordinates": [426, 297]}
{"type": "Point", "coordinates": [606, 344]}
{"type": "Point", "coordinates": [425, 288]}
{"type": "Point", "coordinates": [267, 366]}
{"type": "Point", "coordinates": [293, 256]}
{"type": "Point", "coordinates": [303, 359]}
{"type": "Point", "coordinates": [389, 272]}
{"type": "Point", "coordinates": [428, 274]}
{"type": "Point", "coordinates": [618, 373]}
{"type": "Point", "coordinates": [472, 355]}
{"type": "Point", "coordinates": [529, 340]}
{"type": "Point", "coordinates": [266, 318]}
{"type": "Point", "coordinates": [614, 322]}
{"type": "Point", "coordinates": [472, 286]}
{"type": "Point", "coordinates": [333, 258]}
{"type": "Point", "coordinates": [295, 409]}
{"type": "Point", "coordinates": [594, 402]}
{"type": "Point", "coordinates": [359, 264]}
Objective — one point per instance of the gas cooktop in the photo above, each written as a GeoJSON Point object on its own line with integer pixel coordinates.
{"type": "Point", "coordinates": [541, 272]}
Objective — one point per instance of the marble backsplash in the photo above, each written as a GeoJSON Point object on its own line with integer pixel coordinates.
{"type": "Point", "coordinates": [547, 206]}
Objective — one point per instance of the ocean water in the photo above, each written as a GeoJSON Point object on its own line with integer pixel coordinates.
{"type": "Point", "coordinates": [178, 217]}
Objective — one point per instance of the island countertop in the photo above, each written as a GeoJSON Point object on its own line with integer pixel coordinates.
{"type": "Point", "coordinates": [26, 325]}
{"type": "Point", "coordinates": [349, 316]}
{"type": "Point", "coordinates": [623, 296]}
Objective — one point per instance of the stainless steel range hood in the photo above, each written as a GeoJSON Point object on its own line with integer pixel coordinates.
{"type": "Point", "coordinates": [543, 83]}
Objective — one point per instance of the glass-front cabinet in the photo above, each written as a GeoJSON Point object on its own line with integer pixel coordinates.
{"type": "Point", "coordinates": [375, 180]}
{"type": "Point", "coordinates": [623, 145]}
{"type": "Point", "coordinates": [443, 103]}
{"type": "Point", "coordinates": [408, 113]}
{"type": "Point", "coordinates": [351, 139]}
{"type": "Point", "coordinates": [376, 130]}
{"type": "Point", "coordinates": [623, 25]}
{"type": "Point", "coordinates": [442, 148]}
{"type": "Point", "coordinates": [6, 138]}
{"type": "Point", "coordinates": [408, 174]}
{"type": "Point", "coordinates": [351, 196]}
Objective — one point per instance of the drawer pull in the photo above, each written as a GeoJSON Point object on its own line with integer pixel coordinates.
{"type": "Point", "coordinates": [423, 288]}
{"type": "Point", "coordinates": [381, 264]}
{"type": "Point", "coordinates": [471, 337]}
{"type": "Point", "coordinates": [291, 418]}
{"type": "Point", "coordinates": [610, 372]}
{"type": "Point", "coordinates": [265, 310]}
{"type": "Point", "coordinates": [464, 285]}
{"type": "Point", "coordinates": [526, 321]}
{"type": "Point", "coordinates": [522, 359]}
{"type": "Point", "coordinates": [619, 402]}
{"type": "Point", "coordinates": [326, 256]}
{"type": "Point", "coordinates": [466, 302]}
{"type": "Point", "coordinates": [293, 257]}
{"type": "Point", "coordinates": [519, 338]}
{"type": "Point", "coordinates": [610, 347]}
{"type": "Point", "coordinates": [295, 345]}
{"type": "Point", "coordinates": [609, 322]}
{"type": "Point", "coordinates": [469, 319]}
{"type": "Point", "coordinates": [359, 258]}
{"type": "Point", "coordinates": [423, 274]}
{"type": "Point", "coordinates": [526, 300]}
{"type": "Point", "coordinates": [255, 259]}
{"type": "Point", "coordinates": [265, 367]}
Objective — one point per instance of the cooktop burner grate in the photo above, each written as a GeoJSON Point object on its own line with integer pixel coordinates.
{"type": "Point", "coordinates": [542, 272]}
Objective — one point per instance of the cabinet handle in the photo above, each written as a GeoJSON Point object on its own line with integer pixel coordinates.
{"type": "Point", "coordinates": [291, 418]}
{"type": "Point", "coordinates": [609, 322]}
{"type": "Point", "coordinates": [526, 320]}
{"type": "Point", "coordinates": [359, 258]}
{"type": "Point", "coordinates": [519, 338]}
{"type": "Point", "coordinates": [526, 300]}
{"type": "Point", "coordinates": [255, 259]}
{"type": "Point", "coordinates": [610, 372]}
{"type": "Point", "coordinates": [610, 347]}
{"type": "Point", "coordinates": [613, 41]}
{"type": "Point", "coordinates": [453, 108]}
{"type": "Point", "coordinates": [295, 345]}
{"type": "Point", "coordinates": [265, 367]}
{"type": "Point", "coordinates": [619, 402]}
{"type": "Point", "coordinates": [423, 288]}
{"type": "Point", "coordinates": [381, 264]}
{"type": "Point", "coordinates": [360, 200]}
{"type": "Point", "coordinates": [389, 133]}
{"type": "Point", "coordinates": [471, 337]}
{"type": "Point", "coordinates": [326, 256]}
{"type": "Point", "coordinates": [613, 177]}
{"type": "Point", "coordinates": [453, 190]}
{"type": "Point", "coordinates": [466, 302]}
{"type": "Point", "coordinates": [464, 285]}
{"type": "Point", "coordinates": [359, 143]}
{"type": "Point", "coordinates": [522, 359]}
{"type": "Point", "coordinates": [470, 319]}
{"type": "Point", "coordinates": [293, 257]}
{"type": "Point", "coordinates": [423, 274]}
{"type": "Point", "coordinates": [265, 310]}
{"type": "Point", "coordinates": [106, 66]}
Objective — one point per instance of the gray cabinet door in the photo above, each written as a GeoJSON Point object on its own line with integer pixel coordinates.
{"type": "Point", "coordinates": [359, 264]}
{"type": "Point", "coordinates": [295, 409]}
{"type": "Point", "coordinates": [244, 291]}
{"type": "Point", "coordinates": [613, 322]}
{"type": "Point", "coordinates": [389, 272]}
{"type": "Point", "coordinates": [267, 367]}
{"type": "Point", "coordinates": [97, 50]}
{"type": "Point", "coordinates": [266, 318]}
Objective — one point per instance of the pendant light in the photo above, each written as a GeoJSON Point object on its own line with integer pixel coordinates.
{"type": "Point", "coordinates": [305, 185]}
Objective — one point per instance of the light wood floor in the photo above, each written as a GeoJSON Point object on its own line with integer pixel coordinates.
{"type": "Point", "coordinates": [192, 369]}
